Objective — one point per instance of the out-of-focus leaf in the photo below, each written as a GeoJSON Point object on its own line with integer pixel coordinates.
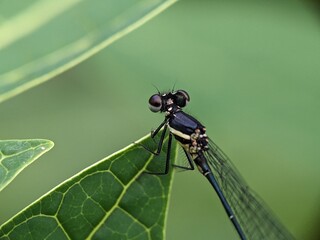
{"type": "Point", "coordinates": [15, 155]}
{"type": "Point", "coordinates": [42, 38]}
{"type": "Point", "coordinates": [113, 199]}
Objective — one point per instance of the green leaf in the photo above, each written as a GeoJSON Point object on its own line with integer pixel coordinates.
{"type": "Point", "coordinates": [42, 38]}
{"type": "Point", "coordinates": [15, 155]}
{"type": "Point", "coordinates": [112, 199]}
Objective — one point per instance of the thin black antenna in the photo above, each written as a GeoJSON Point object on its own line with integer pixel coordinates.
{"type": "Point", "coordinates": [174, 86]}
{"type": "Point", "coordinates": [156, 88]}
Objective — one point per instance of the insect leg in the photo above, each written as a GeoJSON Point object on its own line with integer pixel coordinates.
{"type": "Point", "coordinates": [167, 159]}
{"type": "Point", "coordinates": [191, 165]}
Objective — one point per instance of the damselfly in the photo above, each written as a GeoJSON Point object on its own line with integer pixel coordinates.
{"type": "Point", "coordinates": [251, 218]}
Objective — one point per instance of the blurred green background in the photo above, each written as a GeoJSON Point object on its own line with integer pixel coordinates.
{"type": "Point", "coordinates": [252, 69]}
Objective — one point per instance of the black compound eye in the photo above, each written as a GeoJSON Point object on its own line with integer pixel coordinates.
{"type": "Point", "coordinates": [155, 103]}
{"type": "Point", "coordinates": [182, 98]}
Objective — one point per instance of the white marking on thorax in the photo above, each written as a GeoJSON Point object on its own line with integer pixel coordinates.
{"type": "Point", "coordinates": [178, 133]}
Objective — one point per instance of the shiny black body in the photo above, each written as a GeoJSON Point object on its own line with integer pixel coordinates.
{"type": "Point", "coordinates": [249, 216]}
{"type": "Point", "coordinates": [180, 122]}
{"type": "Point", "coordinates": [184, 123]}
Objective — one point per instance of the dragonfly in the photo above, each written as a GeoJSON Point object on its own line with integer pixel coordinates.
{"type": "Point", "coordinates": [248, 213]}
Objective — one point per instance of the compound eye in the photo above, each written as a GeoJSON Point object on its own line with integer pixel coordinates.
{"type": "Point", "coordinates": [182, 98]}
{"type": "Point", "coordinates": [155, 103]}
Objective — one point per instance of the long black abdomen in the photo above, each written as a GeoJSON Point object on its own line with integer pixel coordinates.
{"type": "Point", "coordinates": [204, 168]}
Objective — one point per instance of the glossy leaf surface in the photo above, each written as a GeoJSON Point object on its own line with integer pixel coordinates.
{"type": "Point", "coordinates": [113, 199]}
{"type": "Point", "coordinates": [15, 155]}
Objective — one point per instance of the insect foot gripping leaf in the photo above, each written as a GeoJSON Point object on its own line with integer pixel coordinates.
{"type": "Point", "coordinates": [112, 199]}
{"type": "Point", "coordinates": [15, 155]}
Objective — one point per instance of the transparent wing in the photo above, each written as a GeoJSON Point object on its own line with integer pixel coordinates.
{"type": "Point", "coordinates": [181, 163]}
{"type": "Point", "coordinates": [255, 218]}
